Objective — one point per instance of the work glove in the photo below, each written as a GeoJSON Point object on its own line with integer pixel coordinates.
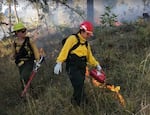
{"type": "Point", "coordinates": [37, 64]}
{"type": "Point", "coordinates": [99, 68]}
{"type": "Point", "coordinates": [58, 68]}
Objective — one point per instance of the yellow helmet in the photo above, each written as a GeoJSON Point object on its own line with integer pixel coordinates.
{"type": "Point", "coordinates": [18, 26]}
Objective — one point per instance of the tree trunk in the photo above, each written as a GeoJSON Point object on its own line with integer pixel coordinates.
{"type": "Point", "coordinates": [90, 10]}
{"type": "Point", "coordinates": [3, 31]}
{"type": "Point", "coordinates": [9, 5]}
{"type": "Point", "coordinates": [16, 15]}
{"type": "Point", "coordinates": [38, 14]}
{"type": "Point", "coordinates": [70, 2]}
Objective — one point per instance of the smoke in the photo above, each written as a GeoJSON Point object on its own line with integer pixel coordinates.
{"type": "Point", "coordinates": [71, 15]}
{"type": "Point", "coordinates": [126, 10]}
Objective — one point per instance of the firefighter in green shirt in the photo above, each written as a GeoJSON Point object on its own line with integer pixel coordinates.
{"type": "Point", "coordinates": [78, 59]}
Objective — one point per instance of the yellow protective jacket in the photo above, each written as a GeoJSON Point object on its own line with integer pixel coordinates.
{"type": "Point", "coordinates": [80, 51]}
{"type": "Point", "coordinates": [16, 48]}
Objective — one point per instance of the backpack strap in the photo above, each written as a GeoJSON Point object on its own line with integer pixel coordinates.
{"type": "Point", "coordinates": [78, 43]}
{"type": "Point", "coordinates": [22, 46]}
{"type": "Point", "coordinates": [28, 43]}
{"type": "Point", "coordinates": [15, 45]}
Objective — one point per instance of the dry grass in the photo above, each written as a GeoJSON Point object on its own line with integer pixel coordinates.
{"type": "Point", "coordinates": [124, 56]}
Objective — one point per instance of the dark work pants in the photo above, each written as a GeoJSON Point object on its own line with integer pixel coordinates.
{"type": "Point", "coordinates": [77, 77]}
{"type": "Point", "coordinates": [25, 72]}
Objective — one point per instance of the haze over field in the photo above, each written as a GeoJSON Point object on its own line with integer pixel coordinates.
{"type": "Point", "coordinates": [126, 11]}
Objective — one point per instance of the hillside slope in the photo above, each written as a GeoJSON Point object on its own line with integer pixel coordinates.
{"type": "Point", "coordinates": [124, 54]}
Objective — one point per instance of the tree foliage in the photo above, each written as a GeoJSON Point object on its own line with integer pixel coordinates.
{"type": "Point", "coordinates": [108, 18]}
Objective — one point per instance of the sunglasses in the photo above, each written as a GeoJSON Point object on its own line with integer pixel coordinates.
{"type": "Point", "coordinates": [22, 31]}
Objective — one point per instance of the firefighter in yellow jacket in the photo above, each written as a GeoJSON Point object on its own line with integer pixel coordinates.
{"type": "Point", "coordinates": [76, 61]}
{"type": "Point", "coordinates": [25, 52]}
